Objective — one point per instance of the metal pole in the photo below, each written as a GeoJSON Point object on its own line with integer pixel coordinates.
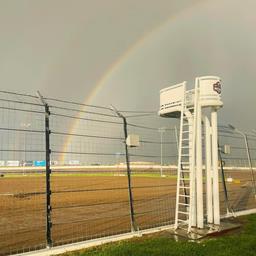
{"type": "Point", "coordinates": [24, 153]}
{"type": "Point", "coordinates": [161, 170]}
{"type": "Point", "coordinates": [25, 125]}
{"type": "Point", "coordinates": [224, 181]}
{"type": "Point", "coordinates": [161, 130]}
{"type": "Point", "coordinates": [48, 173]}
{"type": "Point", "coordinates": [133, 223]}
{"type": "Point", "coordinates": [132, 215]}
{"type": "Point", "coordinates": [48, 176]}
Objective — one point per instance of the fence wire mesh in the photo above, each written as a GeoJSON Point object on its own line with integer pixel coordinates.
{"type": "Point", "coordinates": [89, 189]}
{"type": "Point", "coordinates": [152, 167]}
{"type": "Point", "coordinates": [238, 172]}
{"type": "Point", "coordinates": [22, 190]}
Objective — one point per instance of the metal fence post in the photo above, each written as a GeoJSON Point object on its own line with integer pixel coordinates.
{"type": "Point", "coordinates": [224, 181]}
{"type": "Point", "coordinates": [48, 177]}
{"type": "Point", "coordinates": [133, 223]}
{"type": "Point", "coordinates": [47, 173]}
{"type": "Point", "coordinates": [132, 215]}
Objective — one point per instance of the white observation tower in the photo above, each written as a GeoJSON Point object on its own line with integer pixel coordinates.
{"type": "Point", "coordinates": [194, 108]}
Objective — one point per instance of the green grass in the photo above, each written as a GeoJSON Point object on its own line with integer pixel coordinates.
{"type": "Point", "coordinates": [236, 244]}
{"type": "Point", "coordinates": [99, 174]}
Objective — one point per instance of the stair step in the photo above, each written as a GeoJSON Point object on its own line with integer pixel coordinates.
{"type": "Point", "coordinates": [185, 179]}
{"type": "Point", "coordinates": [183, 204]}
{"type": "Point", "coordinates": [183, 221]}
{"type": "Point", "coordinates": [184, 196]}
{"type": "Point", "coordinates": [185, 213]}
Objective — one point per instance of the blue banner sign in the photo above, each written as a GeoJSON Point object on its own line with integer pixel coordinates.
{"type": "Point", "coordinates": [40, 163]}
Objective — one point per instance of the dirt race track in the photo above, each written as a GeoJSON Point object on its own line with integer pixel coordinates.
{"type": "Point", "coordinates": [89, 206]}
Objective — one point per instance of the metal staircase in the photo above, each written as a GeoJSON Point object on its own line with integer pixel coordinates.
{"type": "Point", "coordinates": [185, 197]}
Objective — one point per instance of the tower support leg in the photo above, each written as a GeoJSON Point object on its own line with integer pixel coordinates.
{"type": "Point", "coordinates": [216, 200]}
{"type": "Point", "coordinates": [208, 170]}
{"type": "Point", "coordinates": [199, 171]}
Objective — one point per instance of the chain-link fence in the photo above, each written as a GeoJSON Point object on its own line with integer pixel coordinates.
{"type": "Point", "coordinates": [22, 189]}
{"type": "Point", "coordinates": [67, 174]}
{"type": "Point", "coordinates": [238, 157]}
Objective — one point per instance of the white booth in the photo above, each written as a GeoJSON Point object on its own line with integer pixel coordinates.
{"type": "Point", "coordinates": [195, 108]}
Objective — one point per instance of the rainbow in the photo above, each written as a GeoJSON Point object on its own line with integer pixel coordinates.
{"type": "Point", "coordinates": [116, 65]}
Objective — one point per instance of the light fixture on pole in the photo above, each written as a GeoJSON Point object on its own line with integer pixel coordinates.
{"type": "Point", "coordinates": [161, 130]}
{"type": "Point", "coordinates": [25, 126]}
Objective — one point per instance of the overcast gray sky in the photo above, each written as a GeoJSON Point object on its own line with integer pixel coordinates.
{"type": "Point", "coordinates": [129, 49]}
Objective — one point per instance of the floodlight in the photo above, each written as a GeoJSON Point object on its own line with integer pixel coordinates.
{"type": "Point", "coordinates": [232, 127]}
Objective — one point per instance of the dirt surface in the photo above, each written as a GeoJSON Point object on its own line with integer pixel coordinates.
{"type": "Point", "coordinates": [86, 207]}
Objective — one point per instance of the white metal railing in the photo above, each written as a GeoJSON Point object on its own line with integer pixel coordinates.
{"type": "Point", "coordinates": [190, 96]}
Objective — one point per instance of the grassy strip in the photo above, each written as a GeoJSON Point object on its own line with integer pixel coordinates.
{"type": "Point", "coordinates": [243, 243]}
{"type": "Point", "coordinates": [101, 174]}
